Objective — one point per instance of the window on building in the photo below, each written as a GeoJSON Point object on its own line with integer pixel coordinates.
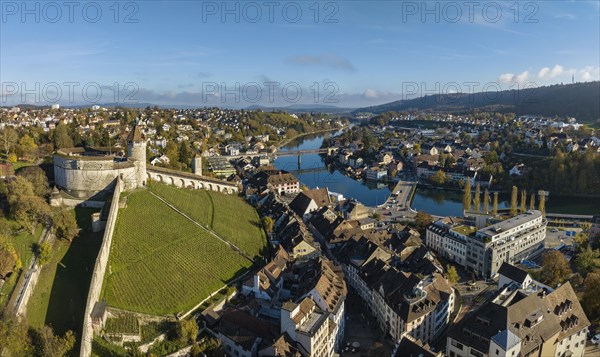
{"type": "Point", "coordinates": [456, 344]}
{"type": "Point", "coordinates": [476, 353]}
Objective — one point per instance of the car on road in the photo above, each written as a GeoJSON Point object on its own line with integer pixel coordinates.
{"type": "Point", "coordinates": [596, 339]}
{"type": "Point", "coordinates": [554, 230]}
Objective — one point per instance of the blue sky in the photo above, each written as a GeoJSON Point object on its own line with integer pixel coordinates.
{"type": "Point", "coordinates": [355, 52]}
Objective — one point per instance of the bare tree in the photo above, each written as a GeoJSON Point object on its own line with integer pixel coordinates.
{"type": "Point", "coordinates": [8, 138]}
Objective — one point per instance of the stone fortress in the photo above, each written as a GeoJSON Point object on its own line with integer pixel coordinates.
{"type": "Point", "coordinates": [82, 173]}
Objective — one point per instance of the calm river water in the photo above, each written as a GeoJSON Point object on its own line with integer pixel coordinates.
{"type": "Point", "coordinates": [438, 202]}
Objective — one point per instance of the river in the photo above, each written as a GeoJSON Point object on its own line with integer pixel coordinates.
{"type": "Point", "coordinates": [438, 202]}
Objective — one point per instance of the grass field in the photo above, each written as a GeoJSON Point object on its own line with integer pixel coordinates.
{"type": "Point", "coordinates": [61, 292]}
{"type": "Point", "coordinates": [160, 262]}
{"type": "Point", "coordinates": [22, 243]}
{"type": "Point", "coordinates": [227, 215]}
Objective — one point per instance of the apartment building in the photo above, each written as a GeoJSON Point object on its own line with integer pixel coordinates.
{"type": "Point", "coordinates": [520, 322]}
{"type": "Point", "coordinates": [309, 326]}
{"type": "Point", "coordinates": [483, 251]}
{"type": "Point", "coordinates": [402, 303]}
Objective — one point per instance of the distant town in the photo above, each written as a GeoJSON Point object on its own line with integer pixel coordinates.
{"type": "Point", "coordinates": [176, 232]}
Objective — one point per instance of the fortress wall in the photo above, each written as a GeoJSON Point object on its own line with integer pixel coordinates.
{"type": "Point", "coordinates": [81, 177]}
{"type": "Point", "coordinates": [183, 179]}
{"type": "Point", "coordinates": [87, 334]}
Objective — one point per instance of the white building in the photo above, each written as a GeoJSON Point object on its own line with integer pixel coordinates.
{"type": "Point", "coordinates": [484, 251]}
{"type": "Point", "coordinates": [309, 326]}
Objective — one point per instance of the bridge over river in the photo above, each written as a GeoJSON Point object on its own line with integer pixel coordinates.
{"type": "Point", "coordinates": [283, 153]}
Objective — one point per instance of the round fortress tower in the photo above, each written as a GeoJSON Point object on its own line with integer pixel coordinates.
{"type": "Point", "coordinates": [136, 152]}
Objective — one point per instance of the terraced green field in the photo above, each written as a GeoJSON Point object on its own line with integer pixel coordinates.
{"type": "Point", "coordinates": [161, 263]}
{"type": "Point", "coordinates": [227, 215]}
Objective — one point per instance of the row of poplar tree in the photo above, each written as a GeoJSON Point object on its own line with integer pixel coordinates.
{"type": "Point", "coordinates": [474, 203]}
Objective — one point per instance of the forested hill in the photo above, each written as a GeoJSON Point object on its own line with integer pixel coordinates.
{"type": "Point", "coordinates": [579, 100]}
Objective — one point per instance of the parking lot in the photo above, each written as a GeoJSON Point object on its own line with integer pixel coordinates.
{"type": "Point", "coordinates": [557, 236]}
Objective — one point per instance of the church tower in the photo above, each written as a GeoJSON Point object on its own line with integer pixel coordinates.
{"type": "Point", "coordinates": [136, 152]}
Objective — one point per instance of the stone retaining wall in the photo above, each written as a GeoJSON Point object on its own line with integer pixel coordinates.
{"type": "Point", "coordinates": [87, 334]}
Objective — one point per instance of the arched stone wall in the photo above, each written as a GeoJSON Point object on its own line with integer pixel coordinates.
{"type": "Point", "coordinates": [186, 182]}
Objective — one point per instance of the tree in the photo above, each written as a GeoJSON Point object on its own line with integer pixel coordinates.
{"type": "Point", "coordinates": [587, 260]}
{"type": "Point", "coordinates": [591, 291]}
{"type": "Point", "coordinates": [495, 205]}
{"type": "Point", "coordinates": [12, 158]}
{"type": "Point", "coordinates": [38, 179]}
{"type": "Point", "coordinates": [172, 152]}
{"type": "Point", "coordinates": [187, 331]}
{"type": "Point", "coordinates": [14, 336]}
{"type": "Point", "coordinates": [30, 211]}
{"type": "Point", "coordinates": [65, 225]}
{"type": "Point", "coordinates": [555, 268]}
{"type": "Point", "coordinates": [523, 201]}
{"type": "Point", "coordinates": [267, 223]}
{"type": "Point", "coordinates": [185, 152]}
{"type": "Point", "coordinates": [486, 200]}
{"type": "Point", "coordinates": [17, 188]}
{"type": "Point", "coordinates": [62, 139]}
{"type": "Point", "coordinates": [581, 241]}
{"type": "Point", "coordinates": [477, 205]}
{"type": "Point", "coordinates": [291, 133]}
{"type": "Point", "coordinates": [532, 202]}
{"type": "Point", "coordinates": [8, 138]}
{"type": "Point", "coordinates": [43, 251]}
{"type": "Point", "coordinates": [439, 178]}
{"type": "Point", "coordinates": [513, 201]}
{"type": "Point", "coordinates": [9, 259]}
{"type": "Point", "coordinates": [423, 220]}
{"type": "Point", "coordinates": [542, 204]}
{"type": "Point", "coordinates": [27, 147]}
{"type": "Point", "coordinates": [452, 275]}
{"type": "Point", "coordinates": [46, 343]}
{"type": "Point", "coordinates": [467, 196]}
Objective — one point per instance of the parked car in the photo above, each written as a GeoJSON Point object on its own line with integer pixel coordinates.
{"type": "Point", "coordinates": [596, 339]}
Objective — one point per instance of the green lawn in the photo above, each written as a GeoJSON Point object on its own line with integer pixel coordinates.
{"type": "Point", "coordinates": [61, 292]}
{"type": "Point", "coordinates": [16, 165]}
{"type": "Point", "coordinates": [22, 242]}
{"type": "Point", "coordinates": [228, 215]}
{"type": "Point", "coordinates": [160, 262]}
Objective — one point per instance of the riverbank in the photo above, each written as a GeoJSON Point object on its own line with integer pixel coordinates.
{"type": "Point", "coordinates": [433, 200]}
{"type": "Point", "coordinates": [287, 141]}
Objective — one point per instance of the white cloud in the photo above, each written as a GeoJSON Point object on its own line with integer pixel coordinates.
{"type": "Point", "coordinates": [370, 93]}
{"type": "Point", "coordinates": [328, 59]}
{"type": "Point", "coordinates": [543, 72]}
{"type": "Point", "coordinates": [589, 73]}
{"type": "Point", "coordinates": [546, 72]}
{"type": "Point", "coordinates": [521, 78]}
{"type": "Point", "coordinates": [506, 78]}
